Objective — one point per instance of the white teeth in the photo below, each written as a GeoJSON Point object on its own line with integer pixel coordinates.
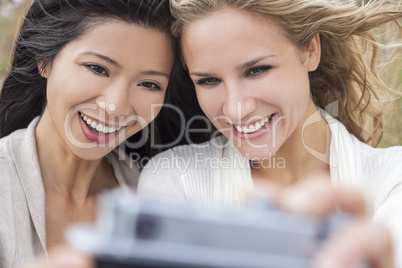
{"type": "Point", "coordinates": [253, 128]}
{"type": "Point", "coordinates": [99, 127]}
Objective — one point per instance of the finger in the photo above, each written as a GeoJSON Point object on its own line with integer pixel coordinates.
{"type": "Point", "coordinates": [316, 196]}
{"type": "Point", "coordinates": [68, 257]}
{"type": "Point", "coordinates": [62, 257]}
{"type": "Point", "coordinates": [362, 241]}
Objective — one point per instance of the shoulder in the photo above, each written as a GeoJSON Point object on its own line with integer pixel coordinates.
{"type": "Point", "coordinates": [172, 173]}
{"type": "Point", "coordinates": [8, 147]}
{"type": "Point", "coordinates": [347, 150]}
{"type": "Point", "coordinates": [378, 162]}
{"type": "Point", "coordinates": [382, 159]}
{"type": "Point", "coordinates": [375, 171]}
{"type": "Point", "coordinates": [381, 172]}
{"type": "Point", "coordinates": [19, 140]}
{"type": "Point", "coordinates": [7, 228]}
{"type": "Point", "coordinates": [17, 158]}
{"type": "Point", "coordinates": [7, 143]}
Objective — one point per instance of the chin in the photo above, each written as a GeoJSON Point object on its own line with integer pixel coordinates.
{"type": "Point", "coordinates": [92, 154]}
{"type": "Point", "coordinates": [257, 154]}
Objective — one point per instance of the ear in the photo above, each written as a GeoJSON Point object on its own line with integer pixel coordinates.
{"type": "Point", "coordinates": [43, 70]}
{"type": "Point", "coordinates": [314, 53]}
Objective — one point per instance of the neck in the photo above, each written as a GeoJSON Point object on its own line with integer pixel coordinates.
{"type": "Point", "coordinates": [63, 172]}
{"type": "Point", "coordinates": [304, 153]}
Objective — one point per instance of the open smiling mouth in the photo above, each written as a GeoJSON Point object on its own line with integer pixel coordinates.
{"type": "Point", "coordinates": [255, 129]}
{"type": "Point", "coordinates": [97, 132]}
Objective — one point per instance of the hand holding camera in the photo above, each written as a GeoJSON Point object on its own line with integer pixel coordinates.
{"type": "Point", "coordinates": [147, 232]}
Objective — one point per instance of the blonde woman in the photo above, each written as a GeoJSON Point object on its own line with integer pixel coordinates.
{"type": "Point", "coordinates": [293, 86]}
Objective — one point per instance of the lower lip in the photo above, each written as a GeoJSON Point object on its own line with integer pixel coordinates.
{"type": "Point", "coordinates": [95, 136]}
{"type": "Point", "coordinates": [254, 135]}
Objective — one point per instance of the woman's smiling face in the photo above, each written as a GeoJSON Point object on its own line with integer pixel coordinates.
{"type": "Point", "coordinates": [251, 81]}
{"type": "Point", "coordinates": [102, 86]}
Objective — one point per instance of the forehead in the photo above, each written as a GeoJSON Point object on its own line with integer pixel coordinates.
{"type": "Point", "coordinates": [230, 19]}
{"type": "Point", "coordinates": [124, 41]}
{"type": "Point", "coordinates": [232, 33]}
{"type": "Point", "coordinates": [118, 29]}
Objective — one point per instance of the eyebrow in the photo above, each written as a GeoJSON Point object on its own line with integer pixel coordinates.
{"type": "Point", "coordinates": [155, 73]}
{"type": "Point", "coordinates": [119, 66]}
{"type": "Point", "coordinates": [254, 62]}
{"type": "Point", "coordinates": [243, 66]}
{"type": "Point", "coordinates": [105, 58]}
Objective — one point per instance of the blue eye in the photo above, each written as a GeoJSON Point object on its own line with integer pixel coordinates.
{"type": "Point", "coordinates": [150, 86]}
{"type": "Point", "coordinates": [97, 69]}
{"type": "Point", "coordinates": [258, 71]}
{"type": "Point", "coordinates": [208, 82]}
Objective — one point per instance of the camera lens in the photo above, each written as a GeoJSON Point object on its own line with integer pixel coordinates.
{"type": "Point", "coordinates": [146, 227]}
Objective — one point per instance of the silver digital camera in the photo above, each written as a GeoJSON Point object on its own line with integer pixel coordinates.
{"type": "Point", "coordinates": [148, 232]}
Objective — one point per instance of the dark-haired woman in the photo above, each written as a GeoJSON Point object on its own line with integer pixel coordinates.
{"type": "Point", "coordinates": [85, 76]}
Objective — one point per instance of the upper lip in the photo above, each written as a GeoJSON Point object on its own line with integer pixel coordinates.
{"type": "Point", "coordinates": [247, 123]}
{"type": "Point", "coordinates": [101, 122]}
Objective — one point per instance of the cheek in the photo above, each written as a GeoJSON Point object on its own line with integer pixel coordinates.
{"type": "Point", "coordinates": [147, 106]}
{"type": "Point", "coordinates": [72, 89]}
{"type": "Point", "coordinates": [291, 87]}
{"type": "Point", "coordinates": [209, 102]}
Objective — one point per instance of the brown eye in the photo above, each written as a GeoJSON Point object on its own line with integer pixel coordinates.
{"type": "Point", "coordinates": [208, 82]}
{"type": "Point", "coordinates": [150, 86]}
{"type": "Point", "coordinates": [98, 70]}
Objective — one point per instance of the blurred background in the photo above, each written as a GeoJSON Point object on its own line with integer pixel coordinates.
{"type": "Point", "coordinates": [12, 11]}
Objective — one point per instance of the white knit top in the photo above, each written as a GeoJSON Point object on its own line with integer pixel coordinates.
{"type": "Point", "coordinates": [22, 196]}
{"type": "Point", "coordinates": [215, 173]}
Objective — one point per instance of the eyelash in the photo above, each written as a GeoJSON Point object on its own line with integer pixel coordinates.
{"type": "Point", "coordinates": [151, 86]}
{"type": "Point", "coordinates": [206, 82]}
{"type": "Point", "coordinates": [103, 71]}
{"type": "Point", "coordinates": [261, 69]}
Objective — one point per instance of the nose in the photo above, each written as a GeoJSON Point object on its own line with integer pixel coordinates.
{"type": "Point", "coordinates": [115, 100]}
{"type": "Point", "coordinates": [238, 102]}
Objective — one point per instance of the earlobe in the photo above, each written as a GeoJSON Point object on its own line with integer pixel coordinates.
{"type": "Point", "coordinates": [42, 70]}
{"type": "Point", "coordinates": [314, 53]}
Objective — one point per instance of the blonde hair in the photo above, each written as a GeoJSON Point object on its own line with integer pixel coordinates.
{"type": "Point", "coordinates": [348, 71]}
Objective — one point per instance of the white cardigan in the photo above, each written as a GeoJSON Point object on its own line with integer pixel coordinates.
{"type": "Point", "coordinates": [214, 173]}
{"type": "Point", "coordinates": [22, 196]}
